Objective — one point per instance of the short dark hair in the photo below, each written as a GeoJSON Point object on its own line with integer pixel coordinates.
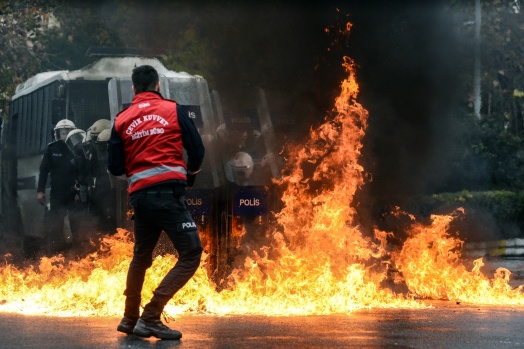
{"type": "Point", "coordinates": [144, 78]}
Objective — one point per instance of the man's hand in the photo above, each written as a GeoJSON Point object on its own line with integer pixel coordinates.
{"type": "Point", "coordinates": [190, 180]}
{"type": "Point", "coordinates": [41, 198]}
{"type": "Point", "coordinates": [190, 177]}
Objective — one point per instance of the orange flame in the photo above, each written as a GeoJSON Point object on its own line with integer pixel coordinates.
{"type": "Point", "coordinates": [431, 264]}
{"type": "Point", "coordinates": [318, 260]}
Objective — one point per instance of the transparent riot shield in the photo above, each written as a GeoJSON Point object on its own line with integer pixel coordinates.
{"type": "Point", "coordinates": [247, 147]}
{"type": "Point", "coordinates": [203, 200]}
{"type": "Point", "coordinates": [120, 97]}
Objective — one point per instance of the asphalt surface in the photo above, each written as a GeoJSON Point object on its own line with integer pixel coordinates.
{"type": "Point", "coordinates": [445, 325]}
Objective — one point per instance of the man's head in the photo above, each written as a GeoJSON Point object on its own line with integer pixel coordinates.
{"type": "Point", "coordinates": [145, 78]}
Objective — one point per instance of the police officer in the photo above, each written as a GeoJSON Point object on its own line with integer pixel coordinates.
{"type": "Point", "coordinates": [146, 144]}
{"type": "Point", "coordinates": [74, 141]}
{"type": "Point", "coordinates": [88, 148]}
{"type": "Point", "coordinates": [101, 200]}
{"type": "Point", "coordinates": [58, 161]}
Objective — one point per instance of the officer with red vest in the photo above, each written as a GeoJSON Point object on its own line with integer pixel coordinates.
{"type": "Point", "coordinates": [146, 145]}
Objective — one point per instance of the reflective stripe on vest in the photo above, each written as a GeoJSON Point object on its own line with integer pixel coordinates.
{"type": "Point", "coordinates": [153, 172]}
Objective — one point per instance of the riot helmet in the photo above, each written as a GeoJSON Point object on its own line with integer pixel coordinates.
{"type": "Point", "coordinates": [62, 129]}
{"type": "Point", "coordinates": [75, 138]}
{"type": "Point", "coordinates": [87, 145]}
{"type": "Point", "coordinates": [241, 165]}
{"type": "Point", "coordinates": [101, 144]}
{"type": "Point", "coordinates": [98, 127]}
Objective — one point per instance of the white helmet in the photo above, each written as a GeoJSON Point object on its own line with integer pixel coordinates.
{"type": "Point", "coordinates": [75, 137]}
{"type": "Point", "coordinates": [101, 144]}
{"type": "Point", "coordinates": [98, 127]}
{"type": "Point", "coordinates": [242, 165]}
{"type": "Point", "coordinates": [62, 129]}
{"type": "Point", "coordinates": [104, 135]}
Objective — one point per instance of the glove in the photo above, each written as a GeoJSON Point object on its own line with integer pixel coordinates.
{"type": "Point", "coordinates": [190, 179]}
{"type": "Point", "coordinates": [41, 197]}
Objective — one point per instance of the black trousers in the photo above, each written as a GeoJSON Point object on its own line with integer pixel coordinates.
{"type": "Point", "coordinates": [102, 203]}
{"type": "Point", "coordinates": [60, 206]}
{"type": "Point", "coordinates": [157, 209]}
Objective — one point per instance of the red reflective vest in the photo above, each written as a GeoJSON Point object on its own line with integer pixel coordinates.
{"type": "Point", "coordinates": [152, 141]}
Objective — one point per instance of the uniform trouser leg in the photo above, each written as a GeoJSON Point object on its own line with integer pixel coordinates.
{"type": "Point", "coordinates": [54, 227]}
{"type": "Point", "coordinates": [79, 223]}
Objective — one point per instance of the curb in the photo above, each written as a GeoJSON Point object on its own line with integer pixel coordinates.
{"type": "Point", "coordinates": [501, 248]}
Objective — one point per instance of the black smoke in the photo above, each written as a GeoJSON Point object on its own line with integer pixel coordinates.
{"type": "Point", "coordinates": [413, 63]}
{"type": "Point", "coordinates": [411, 69]}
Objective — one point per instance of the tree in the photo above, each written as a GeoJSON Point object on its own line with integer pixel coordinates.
{"type": "Point", "coordinates": [22, 24]}
{"type": "Point", "coordinates": [492, 146]}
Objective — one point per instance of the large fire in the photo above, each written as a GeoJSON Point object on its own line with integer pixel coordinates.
{"type": "Point", "coordinates": [318, 260]}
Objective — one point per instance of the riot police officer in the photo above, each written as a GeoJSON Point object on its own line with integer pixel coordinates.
{"type": "Point", "coordinates": [58, 162]}
{"type": "Point", "coordinates": [74, 141]}
{"type": "Point", "coordinates": [94, 174]}
{"type": "Point", "coordinates": [102, 195]}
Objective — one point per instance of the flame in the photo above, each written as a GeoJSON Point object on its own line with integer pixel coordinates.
{"type": "Point", "coordinates": [318, 260]}
{"type": "Point", "coordinates": [431, 264]}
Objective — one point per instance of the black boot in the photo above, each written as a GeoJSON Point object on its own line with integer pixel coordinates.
{"type": "Point", "coordinates": [126, 325]}
{"type": "Point", "coordinates": [131, 315]}
{"type": "Point", "coordinates": [156, 329]}
{"type": "Point", "coordinates": [149, 324]}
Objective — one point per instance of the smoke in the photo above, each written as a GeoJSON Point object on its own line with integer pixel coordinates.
{"type": "Point", "coordinates": [411, 68]}
{"type": "Point", "coordinates": [276, 45]}
{"type": "Point", "coordinates": [412, 64]}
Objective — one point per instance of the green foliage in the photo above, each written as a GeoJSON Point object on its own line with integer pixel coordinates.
{"type": "Point", "coordinates": [21, 25]}
{"type": "Point", "coordinates": [493, 154]}
{"type": "Point", "coordinates": [504, 151]}
{"type": "Point", "coordinates": [192, 55]}
{"type": "Point", "coordinates": [79, 29]}
{"type": "Point", "coordinates": [489, 156]}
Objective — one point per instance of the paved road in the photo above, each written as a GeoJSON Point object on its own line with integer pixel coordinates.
{"type": "Point", "coordinates": [446, 325]}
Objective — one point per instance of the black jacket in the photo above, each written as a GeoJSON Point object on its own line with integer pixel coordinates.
{"type": "Point", "coordinates": [59, 162]}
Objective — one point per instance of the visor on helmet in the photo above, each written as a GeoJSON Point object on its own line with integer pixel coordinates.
{"type": "Point", "coordinates": [74, 138]}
